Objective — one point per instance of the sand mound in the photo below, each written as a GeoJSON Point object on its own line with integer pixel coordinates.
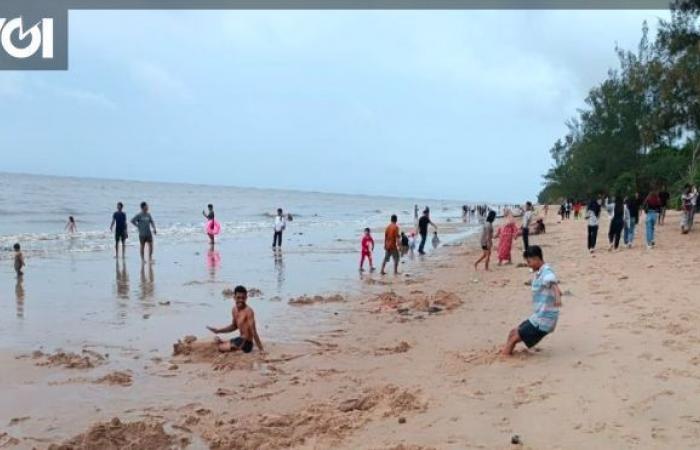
{"type": "Point", "coordinates": [389, 300]}
{"type": "Point", "coordinates": [87, 360]}
{"type": "Point", "coordinates": [401, 347]}
{"type": "Point", "coordinates": [115, 378]}
{"type": "Point", "coordinates": [115, 435]}
{"type": "Point", "coordinates": [448, 300]}
{"type": "Point", "coordinates": [307, 300]}
{"type": "Point", "coordinates": [326, 422]}
{"type": "Point", "coordinates": [191, 350]}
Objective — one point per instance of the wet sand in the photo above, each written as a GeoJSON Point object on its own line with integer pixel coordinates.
{"type": "Point", "coordinates": [408, 363]}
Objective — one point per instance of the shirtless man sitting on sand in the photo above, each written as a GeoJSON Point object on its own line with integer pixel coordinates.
{"type": "Point", "coordinates": [244, 321]}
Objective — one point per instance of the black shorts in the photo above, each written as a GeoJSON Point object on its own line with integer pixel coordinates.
{"type": "Point", "coordinates": [530, 334]}
{"type": "Point", "coordinates": [484, 247]}
{"type": "Point", "coordinates": [120, 235]}
{"type": "Point", "coordinates": [144, 239]}
{"type": "Point", "coordinates": [242, 344]}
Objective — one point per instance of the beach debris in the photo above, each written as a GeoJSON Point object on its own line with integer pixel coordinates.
{"type": "Point", "coordinates": [116, 434]}
{"type": "Point", "coordinates": [254, 292]}
{"type": "Point", "coordinates": [515, 440]}
{"type": "Point", "coordinates": [308, 300]}
{"type": "Point", "coordinates": [87, 360]}
{"type": "Point", "coordinates": [402, 420]}
{"type": "Point", "coordinates": [146, 316]}
{"type": "Point", "coordinates": [165, 303]}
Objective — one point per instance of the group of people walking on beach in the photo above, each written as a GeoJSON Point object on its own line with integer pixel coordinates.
{"type": "Point", "coordinates": [624, 213]}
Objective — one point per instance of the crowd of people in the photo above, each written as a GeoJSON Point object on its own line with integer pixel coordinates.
{"type": "Point", "coordinates": [624, 214]}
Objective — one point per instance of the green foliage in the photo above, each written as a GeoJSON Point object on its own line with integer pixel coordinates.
{"type": "Point", "coordinates": [640, 128]}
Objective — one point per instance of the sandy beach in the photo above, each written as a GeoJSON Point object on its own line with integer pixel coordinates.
{"type": "Point", "coordinates": [406, 362]}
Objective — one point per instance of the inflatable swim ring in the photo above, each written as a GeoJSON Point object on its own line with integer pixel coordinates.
{"type": "Point", "coordinates": [212, 227]}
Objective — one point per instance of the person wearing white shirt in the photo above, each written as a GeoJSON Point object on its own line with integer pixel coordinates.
{"type": "Point", "coordinates": [527, 219]}
{"type": "Point", "coordinates": [280, 225]}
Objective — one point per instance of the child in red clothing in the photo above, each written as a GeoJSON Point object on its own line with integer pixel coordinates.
{"type": "Point", "coordinates": [367, 249]}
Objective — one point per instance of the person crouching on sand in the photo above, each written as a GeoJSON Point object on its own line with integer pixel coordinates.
{"type": "Point", "coordinates": [546, 301]}
{"type": "Point", "coordinates": [367, 245]}
{"type": "Point", "coordinates": [486, 241]}
{"type": "Point", "coordinates": [243, 319]}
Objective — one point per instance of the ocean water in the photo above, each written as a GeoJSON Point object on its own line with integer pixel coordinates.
{"type": "Point", "coordinates": [34, 211]}
{"type": "Point", "coordinates": [76, 293]}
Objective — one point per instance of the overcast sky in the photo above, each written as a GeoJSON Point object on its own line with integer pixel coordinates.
{"type": "Point", "coordinates": [452, 104]}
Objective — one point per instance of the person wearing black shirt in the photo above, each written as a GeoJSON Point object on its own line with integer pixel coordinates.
{"type": "Point", "coordinates": [119, 227]}
{"type": "Point", "coordinates": [423, 223]}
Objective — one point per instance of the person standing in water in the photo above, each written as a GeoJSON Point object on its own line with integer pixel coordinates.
{"type": "Point", "coordinates": [209, 215]}
{"type": "Point", "coordinates": [144, 222]}
{"type": "Point", "coordinates": [71, 227]}
{"type": "Point", "coordinates": [19, 260]}
{"type": "Point", "coordinates": [279, 226]}
{"type": "Point", "coordinates": [367, 247]}
{"type": "Point", "coordinates": [423, 223]}
{"type": "Point", "coordinates": [120, 230]}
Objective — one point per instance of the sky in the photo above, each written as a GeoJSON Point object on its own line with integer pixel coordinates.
{"type": "Point", "coordinates": [437, 104]}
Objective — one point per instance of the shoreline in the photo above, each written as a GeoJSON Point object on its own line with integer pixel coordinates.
{"type": "Point", "coordinates": [388, 374]}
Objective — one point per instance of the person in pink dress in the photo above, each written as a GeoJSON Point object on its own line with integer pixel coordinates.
{"type": "Point", "coordinates": [506, 234]}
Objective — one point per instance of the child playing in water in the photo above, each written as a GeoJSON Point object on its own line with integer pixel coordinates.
{"type": "Point", "coordinates": [71, 227]}
{"type": "Point", "coordinates": [367, 249]}
{"type": "Point", "coordinates": [19, 260]}
{"type": "Point", "coordinates": [546, 301]}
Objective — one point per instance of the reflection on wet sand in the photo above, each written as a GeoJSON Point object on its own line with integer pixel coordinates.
{"type": "Point", "coordinates": [213, 262]}
{"type": "Point", "coordinates": [279, 269]}
{"type": "Point", "coordinates": [122, 280]}
{"type": "Point", "coordinates": [147, 283]}
{"type": "Point", "coordinates": [19, 294]}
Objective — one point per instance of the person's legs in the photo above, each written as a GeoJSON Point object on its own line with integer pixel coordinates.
{"type": "Point", "coordinates": [526, 238]}
{"type": "Point", "coordinates": [142, 243]}
{"type": "Point", "coordinates": [589, 237]}
{"type": "Point", "coordinates": [618, 232]}
{"type": "Point", "coordinates": [632, 226]}
{"type": "Point", "coordinates": [150, 250]}
{"type": "Point", "coordinates": [387, 256]}
{"type": "Point", "coordinates": [594, 236]}
{"type": "Point", "coordinates": [371, 264]}
{"type": "Point", "coordinates": [421, 247]}
{"type": "Point", "coordinates": [650, 225]}
{"type": "Point", "coordinates": [395, 255]}
{"type": "Point", "coordinates": [511, 342]}
{"type": "Point", "coordinates": [481, 258]}
{"type": "Point", "coordinates": [362, 261]}
{"type": "Point", "coordinates": [488, 259]}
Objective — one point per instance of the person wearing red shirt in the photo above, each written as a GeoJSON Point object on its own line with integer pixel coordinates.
{"type": "Point", "coordinates": [367, 249]}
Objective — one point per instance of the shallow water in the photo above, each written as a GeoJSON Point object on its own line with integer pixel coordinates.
{"type": "Point", "coordinates": [75, 293]}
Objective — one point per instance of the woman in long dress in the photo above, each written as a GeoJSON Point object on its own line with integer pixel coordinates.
{"type": "Point", "coordinates": [506, 234]}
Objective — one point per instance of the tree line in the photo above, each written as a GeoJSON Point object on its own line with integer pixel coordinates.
{"type": "Point", "coordinates": [640, 127]}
